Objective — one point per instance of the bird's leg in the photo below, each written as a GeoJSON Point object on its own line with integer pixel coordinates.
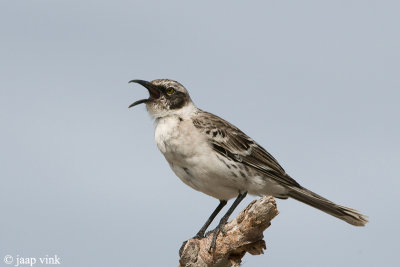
{"type": "Point", "coordinates": [225, 218]}
{"type": "Point", "coordinates": [203, 229]}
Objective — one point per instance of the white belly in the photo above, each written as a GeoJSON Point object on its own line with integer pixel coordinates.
{"type": "Point", "coordinates": [193, 160]}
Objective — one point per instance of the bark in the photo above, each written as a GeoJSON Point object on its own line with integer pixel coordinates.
{"type": "Point", "coordinates": [243, 234]}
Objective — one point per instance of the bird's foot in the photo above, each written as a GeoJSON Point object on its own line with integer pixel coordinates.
{"type": "Point", "coordinates": [215, 232]}
{"type": "Point", "coordinates": [199, 235]}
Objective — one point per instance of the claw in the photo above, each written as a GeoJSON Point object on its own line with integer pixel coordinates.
{"type": "Point", "coordinates": [198, 236]}
{"type": "Point", "coordinates": [216, 231]}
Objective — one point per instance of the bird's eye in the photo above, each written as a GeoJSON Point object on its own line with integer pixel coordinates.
{"type": "Point", "coordinates": [170, 90]}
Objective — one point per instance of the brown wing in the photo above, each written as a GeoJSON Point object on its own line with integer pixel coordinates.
{"type": "Point", "coordinates": [229, 141]}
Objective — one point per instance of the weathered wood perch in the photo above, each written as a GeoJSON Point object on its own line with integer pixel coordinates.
{"type": "Point", "coordinates": [243, 234]}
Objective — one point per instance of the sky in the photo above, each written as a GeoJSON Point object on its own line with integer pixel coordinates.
{"type": "Point", "coordinates": [314, 82]}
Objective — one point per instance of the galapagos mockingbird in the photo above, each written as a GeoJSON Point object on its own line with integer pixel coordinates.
{"type": "Point", "coordinates": [215, 157]}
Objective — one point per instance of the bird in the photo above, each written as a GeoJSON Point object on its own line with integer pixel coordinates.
{"type": "Point", "coordinates": [215, 157]}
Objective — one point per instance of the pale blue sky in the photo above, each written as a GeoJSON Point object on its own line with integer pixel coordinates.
{"type": "Point", "coordinates": [315, 82]}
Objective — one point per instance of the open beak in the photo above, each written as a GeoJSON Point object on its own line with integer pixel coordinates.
{"type": "Point", "coordinates": [153, 91]}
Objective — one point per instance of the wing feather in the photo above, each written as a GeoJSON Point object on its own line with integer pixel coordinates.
{"type": "Point", "coordinates": [229, 141]}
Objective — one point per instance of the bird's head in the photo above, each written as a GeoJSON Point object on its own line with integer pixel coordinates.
{"type": "Point", "coordinates": [166, 97]}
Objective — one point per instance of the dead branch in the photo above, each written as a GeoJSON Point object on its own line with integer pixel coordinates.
{"type": "Point", "coordinates": [243, 234]}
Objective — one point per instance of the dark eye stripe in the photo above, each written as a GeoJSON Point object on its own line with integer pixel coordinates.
{"type": "Point", "coordinates": [177, 100]}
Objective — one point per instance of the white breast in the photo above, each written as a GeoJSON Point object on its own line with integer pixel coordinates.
{"type": "Point", "coordinates": [192, 159]}
{"type": "Point", "coordinates": [178, 139]}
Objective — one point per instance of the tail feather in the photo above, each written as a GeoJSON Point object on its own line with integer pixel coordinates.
{"type": "Point", "coordinates": [308, 197]}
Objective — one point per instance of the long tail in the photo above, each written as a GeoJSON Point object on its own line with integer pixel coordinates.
{"type": "Point", "coordinates": [348, 215]}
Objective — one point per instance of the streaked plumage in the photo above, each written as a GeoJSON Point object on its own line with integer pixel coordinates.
{"type": "Point", "coordinates": [213, 156]}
